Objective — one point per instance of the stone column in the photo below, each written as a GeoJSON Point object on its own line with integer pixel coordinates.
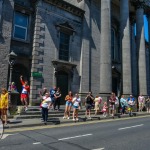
{"type": "Point", "coordinates": [85, 50]}
{"type": "Point", "coordinates": [126, 47]}
{"type": "Point", "coordinates": [140, 45]}
{"type": "Point", "coordinates": [105, 48]}
{"type": "Point", "coordinates": [134, 60]}
{"type": "Point", "coordinates": [37, 58]}
{"type": "Point", "coordinates": [148, 51]}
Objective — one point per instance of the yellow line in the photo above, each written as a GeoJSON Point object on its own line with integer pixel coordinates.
{"type": "Point", "coordinates": [68, 124]}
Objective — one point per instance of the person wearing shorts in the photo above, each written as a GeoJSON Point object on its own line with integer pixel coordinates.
{"type": "Point", "coordinates": [131, 103]}
{"type": "Point", "coordinates": [25, 93]}
{"type": "Point", "coordinates": [76, 106]}
{"type": "Point", "coordinates": [4, 105]}
{"type": "Point", "coordinates": [88, 104]}
{"type": "Point", "coordinates": [112, 101]}
{"type": "Point", "coordinates": [68, 100]}
{"type": "Point", "coordinates": [141, 101]}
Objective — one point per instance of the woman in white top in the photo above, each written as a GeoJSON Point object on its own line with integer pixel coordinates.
{"type": "Point", "coordinates": [45, 107]}
{"type": "Point", "coordinates": [76, 106]}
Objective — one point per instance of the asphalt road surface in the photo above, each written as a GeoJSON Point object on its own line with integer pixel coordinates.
{"type": "Point", "coordinates": [130, 134]}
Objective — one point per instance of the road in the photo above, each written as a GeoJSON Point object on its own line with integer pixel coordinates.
{"type": "Point", "coordinates": [125, 134]}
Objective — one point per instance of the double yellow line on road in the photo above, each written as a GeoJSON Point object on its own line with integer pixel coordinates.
{"type": "Point", "coordinates": [68, 124]}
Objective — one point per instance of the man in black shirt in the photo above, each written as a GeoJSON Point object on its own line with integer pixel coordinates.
{"type": "Point", "coordinates": [88, 104]}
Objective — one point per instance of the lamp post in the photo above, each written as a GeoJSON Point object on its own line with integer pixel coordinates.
{"type": "Point", "coordinates": [12, 58]}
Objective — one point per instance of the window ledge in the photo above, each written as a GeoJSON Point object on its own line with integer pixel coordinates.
{"type": "Point", "coordinates": [64, 63]}
{"type": "Point", "coordinates": [19, 40]}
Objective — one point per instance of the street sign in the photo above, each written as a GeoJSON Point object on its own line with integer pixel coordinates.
{"type": "Point", "coordinates": [36, 74]}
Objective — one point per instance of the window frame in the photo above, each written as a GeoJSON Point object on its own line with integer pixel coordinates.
{"type": "Point", "coordinates": [22, 27]}
{"type": "Point", "coordinates": [61, 31]}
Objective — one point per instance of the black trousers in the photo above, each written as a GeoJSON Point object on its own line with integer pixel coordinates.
{"type": "Point", "coordinates": [45, 114]}
{"type": "Point", "coordinates": [57, 103]}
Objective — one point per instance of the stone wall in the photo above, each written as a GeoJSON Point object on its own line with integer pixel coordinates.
{"type": "Point", "coordinates": [46, 45]}
{"type": "Point", "coordinates": [5, 39]}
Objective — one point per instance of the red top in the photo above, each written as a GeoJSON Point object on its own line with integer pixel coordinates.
{"type": "Point", "coordinates": [25, 88]}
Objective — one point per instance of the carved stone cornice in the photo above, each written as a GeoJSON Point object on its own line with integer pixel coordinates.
{"type": "Point", "coordinates": [67, 6]}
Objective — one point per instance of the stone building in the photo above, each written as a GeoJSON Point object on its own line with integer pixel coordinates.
{"type": "Point", "coordinates": [78, 45]}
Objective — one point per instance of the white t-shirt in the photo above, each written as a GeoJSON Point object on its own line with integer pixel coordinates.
{"type": "Point", "coordinates": [46, 102]}
{"type": "Point", "coordinates": [76, 101]}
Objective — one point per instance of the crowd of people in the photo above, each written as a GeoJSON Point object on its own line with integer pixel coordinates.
{"type": "Point", "coordinates": [108, 107]}
{"type": "Point", "coordinates": [51, 99]}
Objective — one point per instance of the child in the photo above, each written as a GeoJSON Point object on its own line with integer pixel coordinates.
{"type": "Point", "coordinates": [97, 102]}
{"type": "Point", "coordinates": [105, 109]}
{"type": "Point", "coordinates": [13, 87]}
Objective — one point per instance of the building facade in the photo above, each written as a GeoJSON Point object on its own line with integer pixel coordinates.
{"type": "Point", "coordinates": [78, 45]}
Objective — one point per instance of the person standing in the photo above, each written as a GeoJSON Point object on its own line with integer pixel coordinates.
{"type": "Point", "coordinates": [4, 105]}
{"type": "Point", "coordinates": [105, 109]}
{"type": "Point", "coordinates": [131, 103]}
{"type": "Point", "coordinates": [76, 106]}
{"type": "Point", "coordinates": [52, 96]}
{"type": "Point", "coordinates": [97, 104]}
{"type": "Point", "coordinates": [141, 101]}
{"type": "Point", "coordinates": [147, 102]}
{"type": "Point", "coordinates": [88, 104]}
{"type": "Point", "coordinates": [68, 100]}
{"type": "Point", "coordinates": [124, 104]}
{"type": "Point", "coordinates": [112, 101]}
{"type": "Point", "coordinates": [25, 92]}
{"type": "Point", "coordinates": [57, 96]}
{"type": "Point", "coordinates": [46, 103]}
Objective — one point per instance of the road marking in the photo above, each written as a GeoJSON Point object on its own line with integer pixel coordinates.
{"type": "Point", "coordinates": [11, 130]}
{"type": "Point", "coordinates": [37, 143]}
{"type": "Point", "coordinates": [99, 148]}
{"type": "Point", "coordinates": [131, 127]}
{"type": "Point", "coordinates": [74, 137]}
{"type": "Point", "coordinates": [6, 135]}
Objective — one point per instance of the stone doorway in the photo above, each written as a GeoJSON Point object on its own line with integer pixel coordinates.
{"type": "Point", "coordinates": [62, 81]}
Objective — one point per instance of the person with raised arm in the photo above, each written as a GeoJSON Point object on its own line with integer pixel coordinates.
{"type": "Point", "coordinates": [25, 92]}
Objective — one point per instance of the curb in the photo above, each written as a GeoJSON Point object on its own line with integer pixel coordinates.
{"type": "Point", "coordinates": [54, 121]}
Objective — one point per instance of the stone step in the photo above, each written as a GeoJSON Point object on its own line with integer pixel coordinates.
{"type": "Point", "coordinates": [50, 115]}
{"type": "Point", "coordinates": [31, 112]}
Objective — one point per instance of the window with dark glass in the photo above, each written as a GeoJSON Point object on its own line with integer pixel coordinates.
{"type": "Point", "coordinates": [20, 26]}
{"type": "Point", "coordinates": [64, 46]}
{"type": "Point", "coordinates": [113, 44]}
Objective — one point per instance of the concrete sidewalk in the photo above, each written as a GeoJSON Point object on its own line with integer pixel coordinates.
{"type": "Point", "coordinates": [20, 123]}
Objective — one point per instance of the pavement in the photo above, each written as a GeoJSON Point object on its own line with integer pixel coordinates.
{"type": "Point", "coordinates": [33, 118]}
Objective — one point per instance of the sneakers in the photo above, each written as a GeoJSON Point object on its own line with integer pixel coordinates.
{"type": "Point", "coordinates": [77, 119]}
{"type": "Point", "coordinates": [73, 119]}
{"type": "Point", "coordinates": [68, 118]}
{"type": "Point", "coordinates": [26, 108]}
{"type": "Point", "coordinates": [64, 117]}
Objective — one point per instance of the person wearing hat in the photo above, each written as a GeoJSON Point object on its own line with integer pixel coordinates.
{"type": "Point", "coordinates": [131, 103]}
